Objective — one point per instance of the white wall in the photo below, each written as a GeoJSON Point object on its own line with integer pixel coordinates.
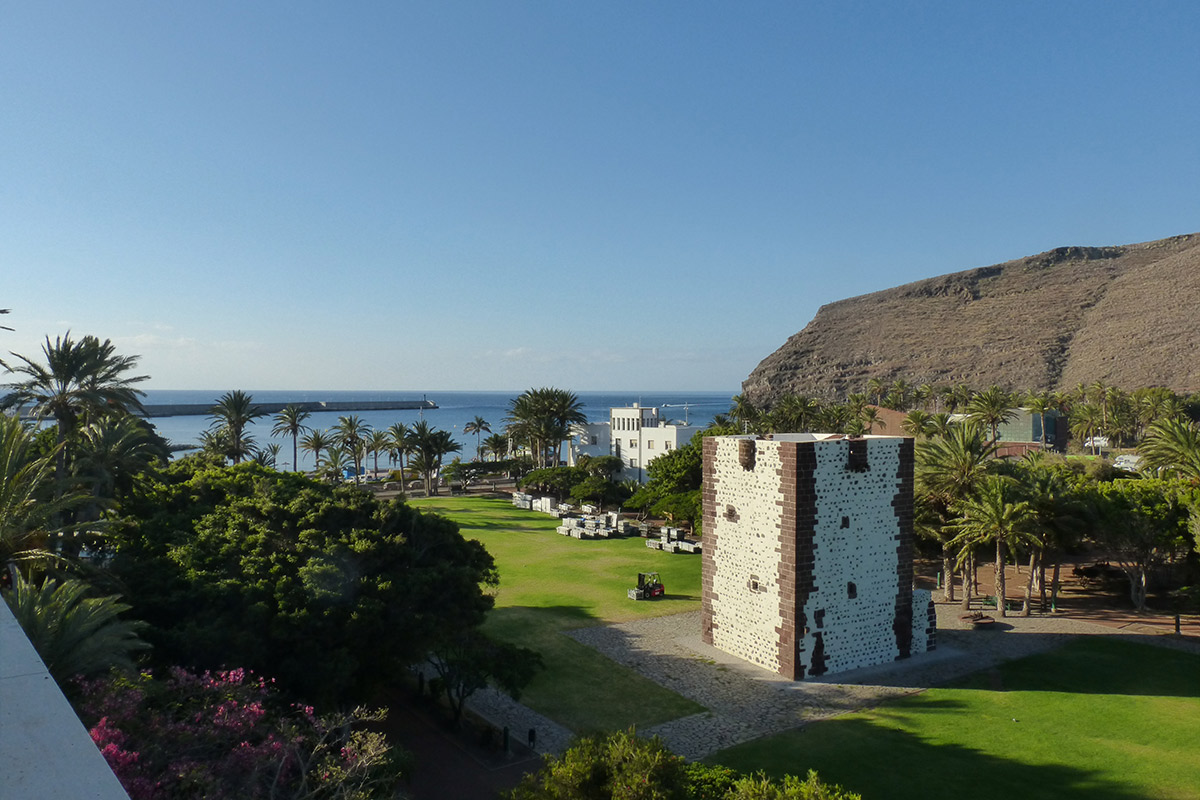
{"type": "Point", "coordinates": [856, 632]}
{"type": "Point", "coordinates": [744, 619]}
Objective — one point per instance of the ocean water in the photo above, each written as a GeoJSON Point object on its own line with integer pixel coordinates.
{"type": "Point", "coordinates": [455, 410]}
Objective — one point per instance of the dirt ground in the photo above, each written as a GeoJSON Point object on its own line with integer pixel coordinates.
{"type": "Point", "coordinates": [1106, 604]}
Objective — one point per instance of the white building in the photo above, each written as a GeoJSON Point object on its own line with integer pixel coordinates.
{"type": "Point", "coordinates": [634, 434]}
{"type": "Point", "coordinates": [808, 552]}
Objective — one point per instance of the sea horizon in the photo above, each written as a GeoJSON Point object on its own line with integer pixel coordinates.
{"type": "Point", "coordinates": [455, 409]}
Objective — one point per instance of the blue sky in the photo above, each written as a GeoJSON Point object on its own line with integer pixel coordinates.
{"type": "Point", "coordinates": [618, 195]}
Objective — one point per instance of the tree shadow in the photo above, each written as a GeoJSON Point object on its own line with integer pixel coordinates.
{"type": "Point", "coordinates": [884, 762]}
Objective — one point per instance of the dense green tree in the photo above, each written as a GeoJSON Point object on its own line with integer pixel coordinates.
{"type": "Point", "coordinates": [232, 413]}
{"type": "Point", "coordinates": [290, 422]}
{"type": "Point", "coordinates": [1040, 403]}
{"type": "Point", "coordinates": [622, 765]}
{"type": "Point", "coordinates": [795, 414]}
{"type": "Point", "coordinates": [876, 388]}
{"type": "Point", "coordinates": [559, 481]}
{"type": "Point", "coordinates": [110, 453]}
{"type": "Point", "coordinates": [471, 660]}
{"type": "Point", "coordinates": [678, 472]}
{"type": "Point", "coordinates": [321, 586]}
{"type": "Point", "coordinates": [1142, 526]}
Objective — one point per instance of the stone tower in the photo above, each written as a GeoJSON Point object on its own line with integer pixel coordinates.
{"type": "Point", "coordinates": [808, 552]}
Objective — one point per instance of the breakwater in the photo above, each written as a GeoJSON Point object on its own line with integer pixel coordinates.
{"type": "Point", "coordinates": [205, 409]}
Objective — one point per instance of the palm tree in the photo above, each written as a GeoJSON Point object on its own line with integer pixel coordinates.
{"type": "Point", "coordinates": [875, 387]}
{"type": "Point", "coordinates": [543, 418]}
{"type": "Point", "coordinates": [290, 422]}
{"type": "Point", "coordinates": [497, 445]}
{"type": "Point", "coordinates": [1040, 403]}
{"type": "Point", "coordinates": [796, 412]}
{"type": "Point", "coordinates": [870, 417]}
{"type": "Point", "coordinates": [993, 514]}
{"type": "Point", "coordinates": [1086, 423]}
{"type": "Point", "coordinates": [335, 465]}
{"type": "Point", "coordinates": [835, 417]}
{"type": "Point", "coordinates": [940, 424]}
{"type": "Point", "coordinates": [430, 446]}
{"type": "Point", "coordinates": [1059, 517]}
{"type": "Point", "coordinates": [73, 633]}
{"type": "Point", "coordinates": [992, 407]}
{"type": "Point", "coordinates": [398, 444]}
{"type": "Point", "coordinates": [316, 442]}
{"type": "Point", "coordinates": [111, 450]}
{"type": "Point", "coordinates": [350, 433]}
{"type": "Point", "coordinates": [744, 413]}
{"type": "Point", "coordinates": [29, 508]}
{"type": "Point", "coordinates": [917, 423]}
{"type": "Point", "coordinates": [924, 394]}
{"type": "Point", "coordinates": [80, 380]}
{"type": "Point", "coordinates": [857, 404]}
{"type": "Point", "coordinates": [898, 396]}
{"type": "Point", "coordinates": [232, 413]}
{"type": "Point", "coordinates": [267, 456]}
{"type": "Point", "coordinates": [1173, 446]}
{"type": "Point", "coordinates": [478, 426]}
{"type": "Point", "coordinates": [959, 396]}
{"type": "Point", "coordinates": [378, 442]}
{"type": "Point", "coordinates": [947, 471]}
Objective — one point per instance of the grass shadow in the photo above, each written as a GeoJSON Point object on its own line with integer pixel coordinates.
{"type": "Point", "coordinates": [887, 762]}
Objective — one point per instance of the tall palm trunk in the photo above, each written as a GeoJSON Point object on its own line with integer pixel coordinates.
{"type": "Point", "coordinates": [968, 579]}
{"type": "Point", "coordinates": [1000, 582]}
{"type": "Point", "coordinates": [948, 573]}
{"type": "Point", "coordinates": [1033, 560]}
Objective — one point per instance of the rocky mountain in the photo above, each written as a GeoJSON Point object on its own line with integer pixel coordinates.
{"type": "Point", "coordinates": [1126, 315]}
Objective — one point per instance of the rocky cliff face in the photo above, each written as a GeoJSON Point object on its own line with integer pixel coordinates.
{"type": "Point", "coordinates": [1129, 316]}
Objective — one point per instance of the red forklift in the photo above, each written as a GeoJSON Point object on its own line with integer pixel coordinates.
{"type": "Point", "coordinates": [649, 586]}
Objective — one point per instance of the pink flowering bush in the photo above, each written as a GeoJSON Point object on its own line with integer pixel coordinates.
{"type": "Point", "coordinates": [225, 735]}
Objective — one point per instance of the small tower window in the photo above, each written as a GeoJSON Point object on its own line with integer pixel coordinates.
{"type": "Point", "coordinates": [851, 590]}
{"type": "Point", "coordinates": [845, 522]}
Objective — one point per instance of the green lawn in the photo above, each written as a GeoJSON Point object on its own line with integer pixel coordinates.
{"type": "Point", "coordinates": [551, 583]}
{"type": "Point", "coordinates": [1099, 719]}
